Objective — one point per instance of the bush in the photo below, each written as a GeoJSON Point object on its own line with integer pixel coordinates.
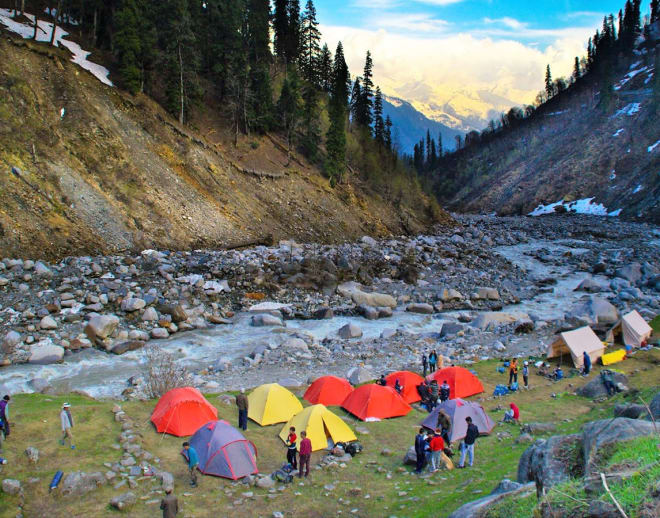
{"type": "Point", "coordinates": [161, 373]}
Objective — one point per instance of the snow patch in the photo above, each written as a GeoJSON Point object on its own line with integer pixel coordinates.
{"type": "Point", "coordinates": [44, 32]}
{"type": "Point", "coordinates": [613, 175]}
{"type": "Point", "coordinates": [559, 112]}
{"type": "Point", "coordinates": [652, 148]}
{"type": "Point", "coordinates": [629, 110]}
{"type": "Point", "coordinates": [618, 132]}
{"type": "Point", "coordinates": [630, 75]}
{"type": "Point", "coordinates": [638, 188]}
{"type": "Point", "coordinates": [583, 206]}
{"type": "Point", "coordinates": [615, 213]}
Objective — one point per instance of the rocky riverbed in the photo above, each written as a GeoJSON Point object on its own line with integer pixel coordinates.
{"type": "Point", "coordinates": [488, 287]}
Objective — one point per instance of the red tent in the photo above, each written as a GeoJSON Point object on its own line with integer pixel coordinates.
{"type": "Point", "coordinates": [328, 391]}
{"type": "Point", "coordinates": [375, 402]}
{"type": "Point", "coordinates": [409, 381]}
{"type": "Point", "coordinates": [461, 381]}
{"type": "Point", "coordinates": [182, 411]}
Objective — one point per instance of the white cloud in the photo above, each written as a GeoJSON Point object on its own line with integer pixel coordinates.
{"type": "Point", "coordinates": [512, 23]}
{"type": "Point", "coordinates": [439, 2]}
{"type": "Point", "coordinates": [410, 23]}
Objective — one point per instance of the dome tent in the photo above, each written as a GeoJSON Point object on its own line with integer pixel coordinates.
{"type": "Point", "coordinates": [328, 391]}
{"type": "Point", "coordinates": [456, 410]}
{"type": "Point", "coordinates": [374, 402]}
{"type": "Point", "coordinates": [272, 403]}
{"type": "Point", "coordinates": [462, 383]}
{"type": "Point", "coordinates": [181, 411]}
{"type": "Point", "coordinates": [409, 381]}
{"type": "Point", "coordinates": [320, 424]}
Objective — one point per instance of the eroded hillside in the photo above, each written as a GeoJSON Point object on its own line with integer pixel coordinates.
{"type": "Point", "coordinates": [86, 168]}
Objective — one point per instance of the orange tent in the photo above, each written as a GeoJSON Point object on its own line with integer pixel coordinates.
{"type": "Point", "coordinates": [328, 391]}
{"type": "Point", "coordinates": [375, 402]}
{"type": "Point", "coordinates": [409, 381]}
{"type": "Point", "coordinates": [462, 382]}
{"type": "Point", "coordinates": [182, 411]}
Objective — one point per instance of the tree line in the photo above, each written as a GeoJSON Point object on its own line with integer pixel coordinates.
{"type": "Point", "coordinates": [184, 53]}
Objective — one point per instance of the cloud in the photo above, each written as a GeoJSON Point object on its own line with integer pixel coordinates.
{"type": "Point", "coordinates": [413, 23]}
{"type": "Point", "coordinates": [506, 21]}
{"type": "Point", "coordinates": [390, 4]}
{"type": "Point", "coordinates": [439, 2]}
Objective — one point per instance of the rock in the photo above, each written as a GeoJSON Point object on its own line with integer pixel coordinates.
{"type": "Point", "coordinates": [296, 344]}
{"type": "Point", "coordinates": [11, 486]}
{"type": "Point", "coordinates": [277, 514]}
{"type": "Point", "coordinates": [537, 428]}
{"type": "Point", "coordinates": [595, 389]}
{"type": "Point", "coordinates": [630, 410]}
{"type": "Point", "coordinates": [350, 331]}
{"type": "Point", "coordinates": [101, 326]}
{"type": "Point", "coordinates": [78, 483]}
{"type": "Point", "coordinates": [123, 501]}
{"type": "Point", "coordinates": [600, 509]}
{"type": "Point", "coordinates": [40, 384]}
{"type": "Point", "coordinates": [497, 318]}
{"type": "Point", "coordinates": [479, 507]}
{"type": "Point", "coordinates": [265, 319]}
{"type": "Point", "coordinates": [47, 323]}
{"type": "Point", "coordinates": [358, 375]}
{"type": "Point", "coordinates": [45, 353]}
{"type": "Point", "coordinates": [323, 314]}
{"type": "Point", "coordinates": [369, 241]}
{"type": "Point", "coordinates": [32, 454]}
{"type": "Point", "coordinates": [655, 408]}
{"type": "Point", "coordinates": [367, 312]}
{"type": "Point", "coordinates": [410, 458]}
{"type": "Point", "coordinates": [544, 459]}
{"type": "Point", "coordinates": [354, 291]}
{"type": "Point", "coordinates": [128, 345]}
{"type": "Point", "coordinates": [451, 329]}
{"type": "Point", "coordinates": [176, 311]}
{"type": "Point", "coordinates": [166, 479]}
{"type": "Point", "coordinates": [488, 293]}
{"type": "Point", "coordinates": [216, 287]}
{"type": "Point", "coordinates": [265, 482]}
{"type": "Point", "coordinates": [631, 272]}
{"type": "Point", "coordinates": [42, 270]}
{"type": "Point", "coordinates": [150, 315]}
{"type": "Point", "coordinates": [590, 285]}
{"type": "Point", "coordinates": [524, 437]}
{"type": "Point", "coordinates": [505, 486]}
{"type": "Point", "coordinates": [598, 434]}
{"type": "Point", "coordinates": [132, 304]}
{"type": "Point", "coordinates": [10, 341]}
{"type": "Point", "coordinates": [596, 310]}
{"type": "Point", "coordinates": [424, 309]}
{"type": "Point", "coordinates": [159, 333]}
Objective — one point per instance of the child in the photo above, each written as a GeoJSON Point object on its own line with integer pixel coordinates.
{"type": "Point", "coordinates": [291, 448]}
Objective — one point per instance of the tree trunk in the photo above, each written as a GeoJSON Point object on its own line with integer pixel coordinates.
{"type": "Point", "coordinates": [181, 85]}
{"type": "Point", "coordinates": [82, 17]}
{"type": "Point", "coordinates": [36, 26]}
{"type": "Point", "coordinates": [96, 12]}
{"type": "Point", "coordinates": [57, 16]}
{"type": "Point", "coordinates": [22, 7]}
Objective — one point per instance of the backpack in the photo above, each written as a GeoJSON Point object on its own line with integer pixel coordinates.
{"type": "Point", "coordinates": [353, 448]}
{"type": "Point", "coordinates": [514, 386]}
{"type": "Point", "coordinates": [282, 476]}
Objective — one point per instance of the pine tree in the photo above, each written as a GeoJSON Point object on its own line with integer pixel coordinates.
{"type": "Point", "coordinates": [293, 31]}
{"type": "Point", "coordinates": [310, 48]}
{"type": "Point", "coordinates": [388, 133]}
{"type": "Point", "coordinates": [379, 123]}
{"type": "Point", "coordinates": [127, 46]}
{"type": "Point", "coordinates": [356, 99]}
{"type": "Point", "coordinates": [364, 116]}
{"type": "Point", "coordinates": [260, 107]}
{"type": "Point", "coordinates": [549, 86]}
{"type": "Point", "coordinates": [325, 69]}
{"type": "Point", "coordinates": [440, 151]}
{"type": "Point", "coordinates": [311, 116]}
{"type": "Point", "coordinates": [336, 137]}
{"type": "Point", "coordinates": [288, 109]}
{"type": "Point", "coordinates": [433, 157]}
{"type": "Point", "coordinates": [576, 69]}
{"type": "Point", "coordinates": [281, 27]}
{"type": "Point", "coordinates": [656, 83]}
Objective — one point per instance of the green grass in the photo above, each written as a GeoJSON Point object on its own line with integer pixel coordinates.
{"type": "Point", "coordinates": [372, 483]}
{"type": "Point", "coordinates": [655, 325]}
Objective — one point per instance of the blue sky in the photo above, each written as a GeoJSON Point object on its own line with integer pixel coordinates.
{"type": "Point", "coordinates": [474, 54]}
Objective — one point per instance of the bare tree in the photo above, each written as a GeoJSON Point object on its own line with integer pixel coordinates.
{"type": "Point", "coordinates": [161, 373]}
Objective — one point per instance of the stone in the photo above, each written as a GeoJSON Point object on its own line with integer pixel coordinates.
{"type": "Point", "coordinates": [596, 310]}
{"type": "Point", "coordinates": [11, 486]}
{"type": "Point", "coordinates": [132, 304]}
{"type": "Point", "coordinates": [597, 434]}
{"type": "Point", "coordinates": [264, 319]}
{"type": "Point", "coordinates": [497, 318]}
{"type": "Point", "coordinates": [488, 293]}
{"type": "Point", "coordinates": [128, 345]}
{"type": "Point", "coordinates": [42, 270]}
{"type": "Point", "coordinates": [265, 482]}
{"type": "Point", "coordinates": [480, 506]}
{"type": "Point", "coordinates": [369, 241]}
{"type": "Point", "coordinates": [505, 486]}
{"type": "Point", "coordinates": [40, 384]}
{"type": "Point", "coordinates": [367, 312]}
{"type": "Point", "coordinates": [410, 457]}
{"type": "Point", "coordinates": [595, 389]}
{"type": "Point", "coordinates": [123, 501]}
{"type": "Point", "coordinates": [590, 285]}
{"type": "Point", "coordinates": [32, 454]}
{"type": "Point", "coordinates": [167, 480]}
{"type": "Point", "coordinates": [150, 315]}
{"type": "Point", "coordinates": [323, 314]}
{"type": "Point", "coordinates": [600, 509]}
{"type": "Point", "coordinates": [48, 323]}
{"type": "Point", "coordinates": [538, 428]}
{"type": "Point", "coordinates": [159, 333]}
{"type": "Point", "coordinates": [451, 329]}
{"type": "Point", "coordinates": [654, 405]}
{"type": "Point", "coordinates": [44, 353]}
{"type": "Point", "coordinates": [101, 326]}
{"type": "Point", "coordinates": [78, 483]}
{"type": "Point", "coordinates": [630, 410]}
{"type": "Point", "coordinates": [10, 341]}
{"type": "Point", "coordinates": [176, 311]}
{"type": "Point", "coordinates": [524, 437]}
{"type": "Point", "coordinates": [544, 460]}
{"type": "Point", "coordinates": [359, 375]}
{"type": "Point", "coordinates": [349, 331]}
{"type": "Point", "coordinates": [631, 272]}
{"type": "Point", "coordinates": [424, 309]}
{"type": "Point", "coordinates": [358, 296]}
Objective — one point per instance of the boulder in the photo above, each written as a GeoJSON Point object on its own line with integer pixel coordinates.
{"type": "Point", "coordinates": [596, 310]}
{"type": "Point", "coordinates": [367, 312]}
{"type": "Point", "coordinates": [42, 270]}
{"type": "Point", "coordinates": [132, 304]}
{"type": "Point", "coordinates": [150, 315]}
{"type": "Point", "coordinates": [631, 272]}
{"type": "Point", "coordinates": [48, 323]}
{"type": "Point", "coordinates": [478, 507]}
{"type": "Point", "coordinates": [10, 341]}
{"type": "Point", "coordinates": [595, 389]}
{"type": "Point", "coordinates": [505, 486]}
{"type": "Point", "coordinates": [265, 482]}
{"type": "Point", "coordinates": [493, 319]}
{"type": "Point", "coordinates": [449, 294]}
{"type": "Point", "coordinates": [296, 344]}
{"type": "Point", "coordinates": [537, 428]}
{"type": "Point", "coordinates": [101, 326]}
{"type": "Point", "coordinates": [655, 408]}
{"type": "Point", "coordinates": [159, 333]}
{"type": "Point", "coordinates": [323, 314]}
{"type": "Point", "coordinates": [600, 509]}
{"type": "Point", "coordinates": [598, 434]}
{"type": "Point", "coordinates": [590, 285]}
{"type": "Point", "coordinates": [45, 353]}
{"type": "Point", "coordinates": [424, 309]}
{"type": "Point", "coordinates": [176, 311]}
{"type": "Point", "coordinates": [451, 329]}
{"type": "Point", "coordinates": [369, 241]}
{"type": "Point", "coordinates": [410, 458]}
{"type": "Point", "coordinates": [354, 291]}
{"type": "Point", "coordinates": [630, 410]}
{"type": "Point", "coordinates": [350, 331]}
{"type": "Point", "coordinates": [123, 501]}
{"type": "Point", "coordinates": [488, 294]}
{"type": "Point", "coordinates": [545, 459]}
{"type": "Point", "coordinates": [128, 345]}
{"type": "Point", "coordinates": [11, 486]}
{"type": "Point", "coordinates": [78, 483]}
{"type": "Point", "coordinates": [264, 319]}
{"type": "Point", "coordinates": [358, 375]}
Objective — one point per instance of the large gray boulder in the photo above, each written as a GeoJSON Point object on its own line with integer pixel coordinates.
{"type": "Point", "coordinates": [419, 307]}
{"type": "Point", "coordinates": [11, 486]}
{"type": "Point", "coordinates": [354, 291]}
{"type": "Point", "coordinates": [123, 501]}
{"type": "Point", "coordinates": [631, 272]}
{"type": "Point", "coordinates": [596, 310]}
{"type": "Point", "coordinates": [598, 434]}
{"type": "Point", "coordinates": [590, 285]}
{"type": "Point", "coordinates": [545, 460]}
{"type": "Point", "coordinates": [595, 388]}
{"type": "Point", "coordinates": [655, 408]}
{"type": "Point", "coordinates": [78, 483]}
{"type": "Point", "coordinates": [494, 319]}
{"type": "Point", "coordinates": [132, 304]}
{"type": "Point", "coordinates": [101, 326]}
{"type": "Point", "coordinates": [46, 353]}
{"type": "Point", "coordinates": [349, 331]}
{"type": "Point", "coordinates": [630, 410]}
{"type": "Point", "coordinates": [358, 375]}
{"type": "Point", "coordinates": [264, 320]}
{"type": "Point", "coordinates": [475, 508]}
{"type": "Point", "coordinates": [10, 341]}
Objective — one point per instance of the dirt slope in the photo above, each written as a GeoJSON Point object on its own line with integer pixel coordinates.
{"type": "Point", "coordinates": [116, 172]}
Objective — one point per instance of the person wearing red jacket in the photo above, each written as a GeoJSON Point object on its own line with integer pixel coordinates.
{"type": "Point", "coordinates": [305, 454]}
{"type": "Point", "coordinates": [513, 414]}
{"type": "Point", "coordinates": [437, 444]}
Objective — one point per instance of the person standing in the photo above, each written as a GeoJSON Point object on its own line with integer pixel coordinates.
{"type": "Point", "coordinates": [467, 446]}
{"type": "Point", "coordinates": [437, 445]}
{"type": "Point", "coordinates": [433, 360]}
{"type": "Point", "coordinates": [425, 363]}
{"type": "Point", "coordinates": [513, 371]}
{"type": "Point", "coordinates": [66, 421]}
{"type": "Point", "coordinates": [193, 462]}
{"type": "Point", "coordinates": [305, 454]}
{"type": "Point", "coordinates": [291, 448]}
{"type": "Point", "coordinates": [4, 415]}
{"type": "Point", "coordinates": [445, 391]}
{"type": "Point", "coordinates": [398, 387]}
{"type": "Point", "coordinates": [382, 381]}
{"type": "Point", "coordinates": [242, 404]}
{"type": "Point", "coordinates": [587, 363]}
{"type": "Point", "coordinates": [169, 504]}
{"type": "Point", "coordinates": [434, 393]}
{"type": "Point", "coordinates": [420, 453]}
{"type": "Point", "coordinates": [525, 373]}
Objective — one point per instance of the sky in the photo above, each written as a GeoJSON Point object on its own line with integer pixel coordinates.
{"type": "Point", "coordinates": [433, 50]}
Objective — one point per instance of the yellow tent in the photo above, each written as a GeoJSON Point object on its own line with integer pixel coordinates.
{"type": "Point", "coordinates": [320, 424]}
{"type": "Point", "coordinates": [271, 404]}
{"type": "Point", "coordinates": [613, 357]}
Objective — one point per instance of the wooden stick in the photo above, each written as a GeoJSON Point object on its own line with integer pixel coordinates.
{"type": "Point", "coordinates": [582, 502]}
{"type": "Point", "coordinates": [618, 506]}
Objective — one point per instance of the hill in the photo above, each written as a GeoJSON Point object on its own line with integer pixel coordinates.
{"type": "Point", "coordinates": [89, 169]}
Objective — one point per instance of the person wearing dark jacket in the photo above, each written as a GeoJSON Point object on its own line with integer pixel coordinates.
{"type": "Point", "coordinates": [433, 360]}
{"type": "Point", "coordinates": [169, 504]}
{"type": "Point", "coordinates": [305, 454]}
{"type": "Point", "coordinates": [4, 415]}
{"type": "Point", "coordinates": [467, 446]}
{"type": "Point", "coordinates": [242, 404]}
{"type": "Point", "coordinates": [434, 393]}
{"type": "Point", "coordinates": [425, 363]}
{"type": "Point", "coordinates": [445, 391]}
{"type": "Point", "coordinates": [291, 448]}
{"type": "Point", "coordinates": [587, 363]}
{"type": "Point", "coordinates": [420, 450]}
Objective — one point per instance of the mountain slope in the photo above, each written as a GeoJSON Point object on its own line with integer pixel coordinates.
{"type": "Point", "coordinates": [88, 169]}
{"type": "Point", "coordinates": [410, 125]}
{"type": "Point", "coordinates": [577, 150]}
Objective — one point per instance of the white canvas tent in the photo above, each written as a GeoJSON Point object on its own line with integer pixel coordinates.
{"type": "Point", "coordinates": [575, 343]}
{"type": "Point", "coordinates": [634, 329]}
